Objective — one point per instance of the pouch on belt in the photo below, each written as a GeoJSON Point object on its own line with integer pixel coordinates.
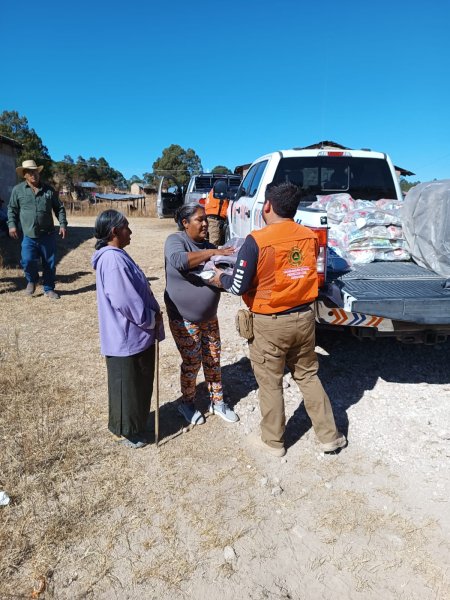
{"type": "Point", "coordinates": [244, 323]}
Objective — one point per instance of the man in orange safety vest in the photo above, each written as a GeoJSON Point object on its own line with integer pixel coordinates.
{"type": "Point", "coordinates": [276, 273]}
{"type": "Point", "coordinates": [216, 206]}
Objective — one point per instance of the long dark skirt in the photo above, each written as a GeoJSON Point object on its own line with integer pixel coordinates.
{"type": "Point", "coordinates": [130, 386]}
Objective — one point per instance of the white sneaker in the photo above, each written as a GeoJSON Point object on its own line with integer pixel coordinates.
{"type": "Point", "coordinates": [191, 414]}
{"type": "Point", "coordinates": [224, 411]}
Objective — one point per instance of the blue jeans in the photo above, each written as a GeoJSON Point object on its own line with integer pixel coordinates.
{"type": "Point", "coordinates": [33, 249]}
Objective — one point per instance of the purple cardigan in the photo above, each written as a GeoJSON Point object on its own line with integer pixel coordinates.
{"type": "Point", "coordinates": [126, 304]}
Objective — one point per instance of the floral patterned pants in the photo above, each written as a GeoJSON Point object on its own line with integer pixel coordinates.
{"type": "Point", "coordinates": [198, 343]}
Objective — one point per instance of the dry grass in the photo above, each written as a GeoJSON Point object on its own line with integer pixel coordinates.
{"type": "Point", "coordinates": [51, 464]}
{"type": "Point", "coordinates": [83, 208]}
{"type": "Point", "coordinates": [93, 519]}
{"type": "Point", "coordinates": [351, 513]}
{"type": "Point", "coordinates": [51, 468]}
{"type": "Point", "coordinates": [76, 498]}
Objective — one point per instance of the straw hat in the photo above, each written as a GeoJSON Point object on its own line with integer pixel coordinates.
{"type": "Point", "coordinates": [28, 164]}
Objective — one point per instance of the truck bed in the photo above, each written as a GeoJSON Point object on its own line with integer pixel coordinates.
{"type": "Point", "coordinates": [400, 291]}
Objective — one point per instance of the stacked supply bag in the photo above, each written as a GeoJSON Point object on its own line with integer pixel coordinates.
{"type": "Point", "coordinates": [362, 231]}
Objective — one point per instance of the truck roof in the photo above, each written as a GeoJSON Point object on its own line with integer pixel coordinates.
{"type": "Point", "coordinates": [292, 152]}
{"type": "Point", "coordinates": [324, 146]}
{"type": "Point", "coordinates": [217, 175]}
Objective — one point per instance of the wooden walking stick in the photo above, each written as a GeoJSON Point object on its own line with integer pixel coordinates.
{"type": "Point", "coordinates": [157, 392]}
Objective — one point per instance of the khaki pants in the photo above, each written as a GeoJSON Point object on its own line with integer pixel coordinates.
{"type": "Point", "coordinates": [288, 339]}
{"type": "Point", "coordinates": [216, 231]}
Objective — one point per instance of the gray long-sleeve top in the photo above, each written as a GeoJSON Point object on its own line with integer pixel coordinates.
{"type": "Point", "coordinates": [187, 296]}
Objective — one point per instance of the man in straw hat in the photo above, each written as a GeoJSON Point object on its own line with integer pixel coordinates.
{"type": "Point", "coordinates": [32, 204]}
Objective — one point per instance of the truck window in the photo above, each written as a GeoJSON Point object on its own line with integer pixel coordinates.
{"type": "Point", "coordinates": [202, 184]}
{"type": "Point", "coordinates": [366, 178]}
{"type": "Point", "coordinates": [257, 178]}
{"type": "Point", "coordinates": [245, 185]}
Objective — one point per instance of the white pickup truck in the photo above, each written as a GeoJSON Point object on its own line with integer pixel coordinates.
{"type": "Point", "coordinates": [379, 299]}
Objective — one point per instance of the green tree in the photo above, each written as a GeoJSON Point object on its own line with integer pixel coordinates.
{"type": "Point", "coordinates": [405, 185]}
{"type": "Point", "coordinates": [80, 170]}
{"type": "Point", "coordinates": [135, 179]}
{"type": "Point", "coordinates": [220, 169]}
{"type": "Point", "coordinates": [14, 126]}
{"type": "Point", "coordinates": [63, 172]}
{"type": "Point", "coordinates": [149, 179]}
{"type": "Point", "coordinates": [178, 162]}
{"type": "Point", "coordinates": [119, 181]}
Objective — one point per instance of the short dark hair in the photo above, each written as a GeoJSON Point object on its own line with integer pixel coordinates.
{"type": "Point", "coordinates": [284, 198]}
{"type": "Point", "coordinates": [105, 223]}
{"type": "Point", "coordinates": [185, 212]}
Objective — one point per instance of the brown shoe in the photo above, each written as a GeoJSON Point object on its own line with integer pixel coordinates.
{"type": "Point", "coordinates": [52, 295]}
{"type": "Point", "coordinates": [257, 442]}
{"type": "Point", "coordinates": [29, 290]}
{"type": "Point", "coordinates": [339, 442]}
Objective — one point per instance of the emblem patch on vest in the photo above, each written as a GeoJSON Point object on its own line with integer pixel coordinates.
{"type": "Point", "coordinates": [295, 256]}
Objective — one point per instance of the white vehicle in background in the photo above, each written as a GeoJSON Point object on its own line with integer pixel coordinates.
{"type": "Point", "coordinates": [379, 299]}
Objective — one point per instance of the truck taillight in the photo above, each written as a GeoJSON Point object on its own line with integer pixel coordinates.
{"type": "Point", "coordinates": [333, 153]}
{"type": "Point", "coordinates": [322, 234]}
{"type": "Point", "coordinates": [202, 200]}
{"type": "Point", "coordinates": [322, 265]}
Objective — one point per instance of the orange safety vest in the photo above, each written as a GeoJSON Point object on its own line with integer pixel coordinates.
{"type": "Point", "coordinates": [286, 273]}
{"type": "Point", "coordinates": [214, 206]}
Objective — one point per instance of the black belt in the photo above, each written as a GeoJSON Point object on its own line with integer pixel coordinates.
{"type": "Point", "coordinates": [289, 311]}
{"type": "Point", "coordinates": [216, 217]}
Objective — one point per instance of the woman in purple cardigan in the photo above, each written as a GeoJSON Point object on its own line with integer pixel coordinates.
{"type": "Point", "coordinates": [129, 322]}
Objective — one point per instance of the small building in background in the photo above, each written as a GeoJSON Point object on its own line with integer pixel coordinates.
{"type": "Point", "coordinates": [8, 154]}
{"type": "Point", "coordinates": [149, 192]}
{"type": "Point", "coordinates": [85, 190]}
{"type": "Point", "coordinates": [139, 188]}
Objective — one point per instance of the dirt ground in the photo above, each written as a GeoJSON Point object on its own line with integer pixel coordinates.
{"type": "Point", "coordinates": [206, 516]}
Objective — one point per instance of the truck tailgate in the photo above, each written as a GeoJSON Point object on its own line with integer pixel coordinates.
{"type": "Point", "coordinates": [400, 291]}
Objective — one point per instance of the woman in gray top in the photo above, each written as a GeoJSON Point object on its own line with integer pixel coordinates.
{"type": "Point", "coordinates": [192, 310]}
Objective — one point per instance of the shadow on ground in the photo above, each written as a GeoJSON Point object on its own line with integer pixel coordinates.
{"type": "Point", "coordinates": [349, 369]}
{"type": "Point", "coordinates": [353, 367]}
{"type": "Point", "coordinates": [238, 383]}
{"type": "Point", "coordinates": [10, 253]}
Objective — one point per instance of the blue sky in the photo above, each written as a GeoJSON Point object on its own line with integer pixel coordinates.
{"type": "Point", "coordinates": [232, 80]}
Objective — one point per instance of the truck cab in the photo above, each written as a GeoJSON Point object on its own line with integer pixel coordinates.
{"type": "Point", "coordinates": [328, 170]}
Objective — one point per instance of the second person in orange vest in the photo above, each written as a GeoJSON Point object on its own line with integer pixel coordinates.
{"type": "Point", "coordinates": [216, 206]}
{"type": "Point", "coordinates": [276, 274]}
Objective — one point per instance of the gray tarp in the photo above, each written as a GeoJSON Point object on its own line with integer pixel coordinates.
{"type": "Point", "coordinates": [426, 225]}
